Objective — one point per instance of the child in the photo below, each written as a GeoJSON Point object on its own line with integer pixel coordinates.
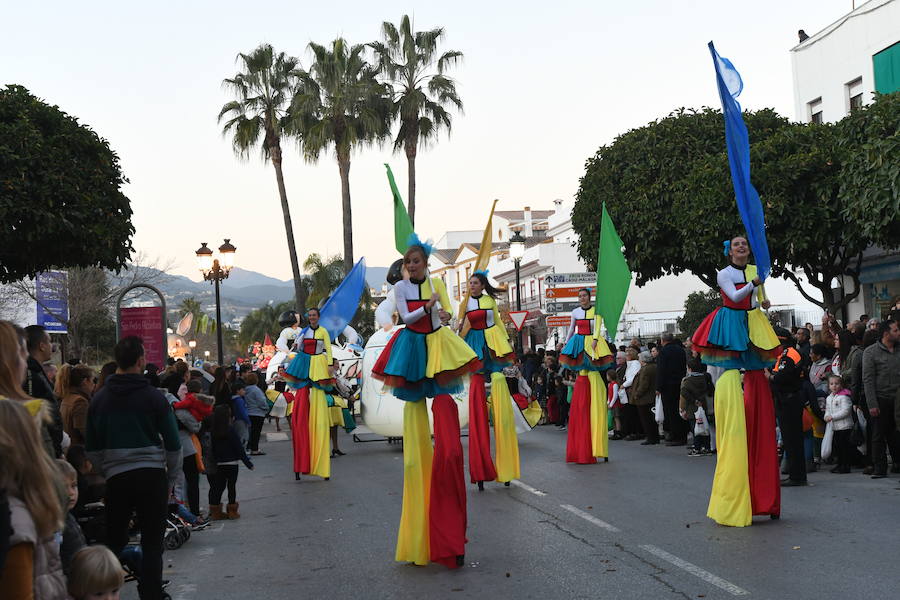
{"type": "Point", "coordinates": [701, 431]}
{"type": "Point", "coordinates": [838, 412]}
{"type": "Point", "coordinates": [612, 401]}
{"type": "Point", "coordinates": [193, 404]}
{"type": "Point", "coordinates": [96, 574]}
{"type": "Point", "coordinates": [72, 536]}
{"type": "Point", "coordinates": [239, 411]}
{"type": "Point", "coordinates": [227, 450]}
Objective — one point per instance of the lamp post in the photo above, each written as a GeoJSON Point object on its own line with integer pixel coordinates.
{"type": "Point", "coordinates": [517, 251]}
{"type": "Point", "coordinates": [215, 270]}
{"type": "Point", "coordinates": [193, 346]}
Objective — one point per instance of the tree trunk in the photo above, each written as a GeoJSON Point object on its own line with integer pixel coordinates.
{"type": "Point", "coordinates": [344, 168]}
{"type": "Point", "coordinates": [299, 292]}
{"type": "Point", "coordinates": [411, 147]}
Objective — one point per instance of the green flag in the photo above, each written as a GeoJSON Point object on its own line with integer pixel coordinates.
{"type": "Point", "coordinates": [613, 275]}
{"type": "Point", "coordinates": [403, 227]}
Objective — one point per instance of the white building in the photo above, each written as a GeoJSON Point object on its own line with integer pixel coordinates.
{"type": "Point", "coordinates": [835, 71]}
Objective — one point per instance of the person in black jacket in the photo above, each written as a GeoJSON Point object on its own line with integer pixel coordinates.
{"type": "Point", "coordinates": [36, 385]}
{"type": "Point", "coordinates": [227, 450]}
{"type": "Point", "coordinates": [787, 379]}
{"type": "Point", "coordinates": [671, 367]}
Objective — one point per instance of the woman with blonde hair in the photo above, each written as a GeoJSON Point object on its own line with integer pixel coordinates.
{"type": "Point", "coordinates": [33, 568]}
{"type": "Point", "coordinates": [96, 574]}
{"type": "Point", "coordinates": [13, 369]}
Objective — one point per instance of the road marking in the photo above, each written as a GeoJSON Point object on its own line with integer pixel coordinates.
{"type": "Point", "coordinates": [590, 518]}
{"type": "Point", "coordinates": [527, 487]}
{"type": "Point", "coordinates": [697, 571]}
{"type": "Point", "coordinates": [208, 551]}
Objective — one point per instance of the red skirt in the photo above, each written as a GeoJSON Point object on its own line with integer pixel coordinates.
{"type": "Point", "coordinates": [447, 509]}
{"type": "Point", "coordinates": [578, 447]}
{"type": "Point", "coordinates": [762, 454]}
{"type": "Point", "coordinates": [481, 465]}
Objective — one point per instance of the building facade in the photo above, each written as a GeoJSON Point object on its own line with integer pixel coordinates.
{"type": "Point", "coordinates": [836, 71]}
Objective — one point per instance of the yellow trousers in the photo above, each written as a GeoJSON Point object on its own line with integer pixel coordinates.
{"type": "Point", "coordinates": [412, 538]}
{"type": "Point", "coordinates": [505, 441]}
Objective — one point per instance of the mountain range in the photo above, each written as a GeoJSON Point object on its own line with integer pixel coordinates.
{"type": "Point", "coordinates": [242, 292]}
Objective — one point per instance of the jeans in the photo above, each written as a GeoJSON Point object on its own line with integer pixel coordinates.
{"type": "Point", "coordinates": [145, 492]}
{"type": "Point", "coordinates": [701, 442]}
{"type": "Point", "coordinates": [790, 418]}
{"type": "Point", "coordinates": [191, 483]}
{"type": "Point", "coordinates": [225, 475]}
{"type": "Point", "coordinates": [256, 424]}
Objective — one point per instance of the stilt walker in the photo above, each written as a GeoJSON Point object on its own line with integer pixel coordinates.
{"type": "Point", "coordinates": [426, 360]}
{"type": "Point", "coordinates": [736, 336]}
{"type": "Point", "coordinates": [588, 354]}
{"type": "Point", "coordinates": [311, 373]}
{"type": "Point", "coordinates": [488, 338]}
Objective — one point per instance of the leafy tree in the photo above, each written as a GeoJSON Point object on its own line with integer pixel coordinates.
{"type": "Point", "coordinates": [260, 322]}
{"type": "Point", "coordinates": [258, 116]}
{"type": "Point", "coordinates": [421, 91]}
{"type": "Point", "coordinates": [870, 181]}
{"type": "Point", "coordinates": [339, 103]}
{"type": "Point", "coordinates": [696, 307]}
{"type": "Point", "coordinates": [674, 217]}
{"type": "Point", "coordinates": [60, 198]}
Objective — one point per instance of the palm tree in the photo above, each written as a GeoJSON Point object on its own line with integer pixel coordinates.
{"type": "Point", "coordinates": [190, 305]}
{"type": "Point", "coordinates": [263, 89]}
{"type": "Point", "coordinates": [422, 92]}
{"type": "Point", "coordinates": [262, 321]}
{"type": "Point", "coordinates": [323, 276]}
{"type": "Point", "coordinates": [339, 103]}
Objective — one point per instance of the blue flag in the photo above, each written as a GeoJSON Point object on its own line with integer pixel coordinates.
{"type": "Point", "coordinates": [341, 306]}
{"type": "Point", "coordinates": [738, 143]}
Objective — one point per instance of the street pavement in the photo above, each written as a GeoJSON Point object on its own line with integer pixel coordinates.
{"type": "Point", "coordinates": [633, 528]}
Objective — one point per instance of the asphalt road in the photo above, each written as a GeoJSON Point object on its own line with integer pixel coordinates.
{"type": "Point", "coordinates": [632, 528]}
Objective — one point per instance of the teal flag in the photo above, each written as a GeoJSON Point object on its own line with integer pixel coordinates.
{"type": "Point", "coordinates": [613, 275]}
{"type": "Point", "coordinates": [403, 228]}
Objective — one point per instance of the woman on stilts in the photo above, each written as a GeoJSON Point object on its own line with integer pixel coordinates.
{"type": "Point", "coordinates": [311, 373]}
{"type": "Point", "coordinates": [426, 360]}
{"type": "Point", "coordinates": [488, 338]}
{"type": "Point", "coordinates": [736, 336]}
{"type": "Point", "coordinates": [588, 354]}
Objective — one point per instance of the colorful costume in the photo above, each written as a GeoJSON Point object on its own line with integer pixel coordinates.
{"type": "Point", "coordinates": [588, 433]}
{"type": "Point", "coordinates": [490, 341]}
{"type": "Point", "coordinates": [309, 373]}
{"type": "Point", "coordinates": [423, 360]}
{"type": "Point", "coordinates": [736, 336]}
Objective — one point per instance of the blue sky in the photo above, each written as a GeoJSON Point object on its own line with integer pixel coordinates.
{"type": "Point", "coordinates": [544, 84]}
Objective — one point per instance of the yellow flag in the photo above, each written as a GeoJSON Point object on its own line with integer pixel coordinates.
{"type": "Point", "coordinates": [483, 258]}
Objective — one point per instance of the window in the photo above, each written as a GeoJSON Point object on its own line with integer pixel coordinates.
{"type": "Point", "coordinates": [814, 110]}
{"type": "Point", "coordinates": [531, 291]}
{"type": "Point", "coordinates": [853, 92]}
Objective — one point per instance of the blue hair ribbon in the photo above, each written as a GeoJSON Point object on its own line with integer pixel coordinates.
{"type": "Point", "coordinates": [727, 245]}
{"type": "Point", "coordinates": [414, 240]}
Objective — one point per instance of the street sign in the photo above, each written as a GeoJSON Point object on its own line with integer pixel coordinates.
{"type": "Point", "coordinates": [558, 321]}
{"type": "Point", "coordinates": [566, 292]}
{"type": "Point", "coordinates": [51, 292]}
{"type": "Point", "coordinates": [518, 318]}
{"type": "Point", "coordinates": [560, 307]}
{"type": "Point", "coordinates": [569, 279]}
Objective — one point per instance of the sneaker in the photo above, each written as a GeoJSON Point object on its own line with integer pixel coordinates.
{"type": "Point", "coordinates": [693, 452]}
{"type": "Point", "coordinates": [199, 525]}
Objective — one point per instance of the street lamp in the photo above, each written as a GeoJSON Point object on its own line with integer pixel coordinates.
{"type": "Point", "coordinates": [215, 270]}
{"type": "Point", "coordinates": [193, 345]}
{"type": "Point", "coordinates": [517, 251]}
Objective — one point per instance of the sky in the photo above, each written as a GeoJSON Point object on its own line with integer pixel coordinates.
{"type": "Point", "coordinates": [544, 84]}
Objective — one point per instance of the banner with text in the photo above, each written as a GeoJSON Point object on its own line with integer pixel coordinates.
{"type": "Point", "coordinates": [52, 299]}
{"type": "Point", "coordinates": [147, 323]}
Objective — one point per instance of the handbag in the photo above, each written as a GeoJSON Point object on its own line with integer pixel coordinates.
{"type": "Point", "coordinates": [827, 440]}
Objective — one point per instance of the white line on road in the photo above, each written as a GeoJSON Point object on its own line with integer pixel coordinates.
{"type": "Point", "coordinates": [590, 518]}
{"type": "Point", "coordinates": [697, 571]}
{"type": "Point", "coordinates": [527, 488]}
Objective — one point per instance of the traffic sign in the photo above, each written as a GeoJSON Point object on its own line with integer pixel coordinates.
{"type": "Point", "coordinates": [558, 321]}
{"type": "Point", "coordinates": [561, 307]}
{"type": "Point", "coordinates": [569, 278]}
{"type": "Point", "coordinates": [566, 292]}
{"type": "Point", "coordinates": [518, 318]}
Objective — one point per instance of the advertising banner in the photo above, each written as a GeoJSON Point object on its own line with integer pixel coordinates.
{"type": "Point", "coordinates": [51, 292]}
{"type": "Point", "coordinates": [147, 323]}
